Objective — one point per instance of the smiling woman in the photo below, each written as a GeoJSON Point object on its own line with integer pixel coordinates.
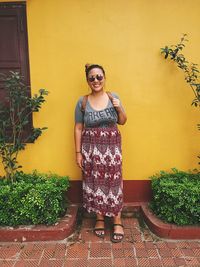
{"type": "Point", "coordinates": [98, 151]}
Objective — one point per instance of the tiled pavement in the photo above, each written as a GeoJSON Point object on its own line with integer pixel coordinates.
{"type": "Point", "coordinates": [83, 248]}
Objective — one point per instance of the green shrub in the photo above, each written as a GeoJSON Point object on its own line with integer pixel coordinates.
{"type": "Point", "coordinates": [15, 115]}
{"type": "Point", "coordinates": [33, 199]}
{"type": "Point", "coordinates": [176, 197]}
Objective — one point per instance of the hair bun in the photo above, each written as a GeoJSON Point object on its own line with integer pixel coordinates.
{"type": "Point", "coordinates": [87, 66]}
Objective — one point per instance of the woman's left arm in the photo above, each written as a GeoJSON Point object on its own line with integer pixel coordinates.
{"type": "Point", "coordinates": [122, 118]}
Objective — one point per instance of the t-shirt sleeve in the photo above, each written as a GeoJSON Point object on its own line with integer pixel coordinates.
{"type": "Point", "coordinates": [79, 116]}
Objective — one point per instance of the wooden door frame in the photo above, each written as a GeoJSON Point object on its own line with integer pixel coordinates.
{"type": "Point", "coordinates": [19, 10]}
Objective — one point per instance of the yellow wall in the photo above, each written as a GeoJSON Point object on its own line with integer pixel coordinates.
{"type": "Point", "coordinates": [125, 37]}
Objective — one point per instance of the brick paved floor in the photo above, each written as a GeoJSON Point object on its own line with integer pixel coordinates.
{"type": "Point", "coordinates": [83, 248]}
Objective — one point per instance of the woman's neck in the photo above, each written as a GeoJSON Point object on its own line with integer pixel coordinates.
{"type": "Point", "coordinates": [97, 94]}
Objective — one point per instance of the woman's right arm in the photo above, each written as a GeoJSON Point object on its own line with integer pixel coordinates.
{"type": "Point", "coordinates": [78, 128]}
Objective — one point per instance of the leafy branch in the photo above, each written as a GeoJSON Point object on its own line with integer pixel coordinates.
{"type": "Point", "coordinates": [15, 116]}
{"type": "Point", "coordinates": [190, 69]}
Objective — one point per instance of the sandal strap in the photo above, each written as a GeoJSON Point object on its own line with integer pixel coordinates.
{"type": "Point", "coordinates": [99, 229]}
{"type": "Point", "coordinates": [117, 240]}
{"type": "Point", "coordinates": [100, 220]}
{"type": "Point", "coordinates": [118, 224]}
{"type": "Point", "coordinates": [118, 234]}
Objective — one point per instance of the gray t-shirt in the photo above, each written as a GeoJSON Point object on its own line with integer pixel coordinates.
{"type": "Point", "coordinates": [96, 118]}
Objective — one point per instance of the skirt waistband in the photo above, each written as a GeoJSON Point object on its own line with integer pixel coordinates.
{"type": "Point", "coordinates": [106, 128]}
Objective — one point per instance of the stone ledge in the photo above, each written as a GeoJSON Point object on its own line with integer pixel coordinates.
{"type": "Point", "coordinates": [59, 231]}
{"type": "Point", "coordinates": [66, 226]}
{"type": "Point", "coordinates": [167, 230]}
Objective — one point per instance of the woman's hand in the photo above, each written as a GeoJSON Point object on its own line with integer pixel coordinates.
{"type": "Point", "coordinates": [116, 102]}
{"type": "Point", "coordinates": [79, 160]}
{"type": "Point", "coordinates": [121, 113]}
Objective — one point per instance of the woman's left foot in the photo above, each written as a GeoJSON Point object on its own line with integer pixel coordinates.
{"type": "Point", "coordinates": [118, 233]}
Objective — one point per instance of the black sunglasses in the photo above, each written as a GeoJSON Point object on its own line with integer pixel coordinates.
{"type": "Point", "coordinates": [98, 77]}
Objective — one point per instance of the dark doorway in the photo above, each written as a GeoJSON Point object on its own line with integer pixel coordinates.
{"type": "Point", "coordinates": [14, 44]}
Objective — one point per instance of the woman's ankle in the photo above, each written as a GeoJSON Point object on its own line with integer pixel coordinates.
{"type": "Point", "coordinates": [99, 217]}
{"type": "Point", "coordinates": [117, 219]}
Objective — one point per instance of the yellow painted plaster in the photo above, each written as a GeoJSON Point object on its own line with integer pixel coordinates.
{"type": "Point", "coordinates": [125, 37]}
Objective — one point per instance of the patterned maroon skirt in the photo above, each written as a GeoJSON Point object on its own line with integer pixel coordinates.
{"type": "Point", "coordinates": [102, 170]}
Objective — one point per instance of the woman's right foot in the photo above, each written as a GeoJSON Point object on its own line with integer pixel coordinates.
{"type": "Point", "coordinates": [99, 229]}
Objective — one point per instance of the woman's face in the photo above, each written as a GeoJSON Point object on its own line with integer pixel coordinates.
{"type": "Point", "coordinates": [96, 79]}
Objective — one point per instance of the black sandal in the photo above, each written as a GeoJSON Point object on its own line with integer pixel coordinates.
{"type": "Point", "coordinates": [96, 230]}
{"type": "Point", "coordinates": [118, 240]}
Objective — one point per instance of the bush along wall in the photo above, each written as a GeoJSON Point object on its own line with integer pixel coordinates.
{"type": "Point", "coordinates": [176, 197]}
{"type": "Point", "coordinates": [33, 199]}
